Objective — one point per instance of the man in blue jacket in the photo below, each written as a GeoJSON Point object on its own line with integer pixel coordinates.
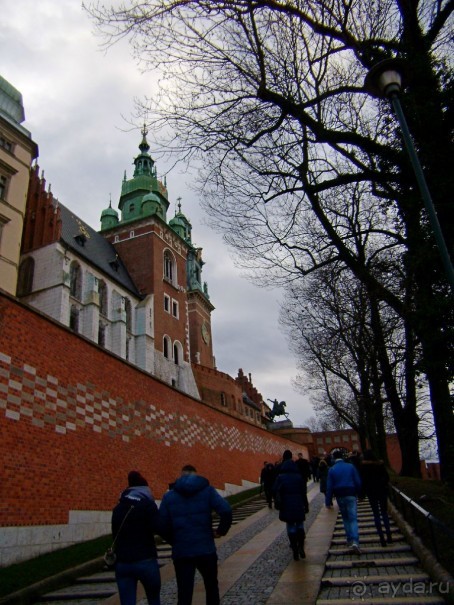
{"type": "Point", "coordinates": [186, 523]}
{"type": "Point", "coordinates": [344, 484]}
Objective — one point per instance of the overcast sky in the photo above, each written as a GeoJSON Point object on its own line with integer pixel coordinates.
{"type": "Point", "coordinates": [76, 99]}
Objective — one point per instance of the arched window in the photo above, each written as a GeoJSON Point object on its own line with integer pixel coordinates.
{"type": "Point", "coordinates": [75, 280]}
{"type": "Point", "coordinates": [25, 278]}
{"type": "Point", "coordinates": [102, 290]}
{"type": "Point", "coordinates": [74, 319]}
{"type": "Point", "coordinates": [166, 344]}
{"type": "Point", "coordinates": [177, 353]}
{"type": "Point", "coordinates": [128, 312]}
{"type": "Point", "coordinates": [169, 267]}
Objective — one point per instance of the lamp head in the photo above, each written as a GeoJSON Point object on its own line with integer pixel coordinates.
{"type": "Point", "coordinates": [385, 78]}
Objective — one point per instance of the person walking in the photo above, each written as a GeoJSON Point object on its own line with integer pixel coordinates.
{"type": "Point", "coordinates": [323, 469]}
{"type": "Point", "coordinates": [186, 523]}
{"type": "Point", "coordinates": [267, 477]}
{"type": "Point", "coordinates": [134, 523]}
{"type": "Point", "coordinates": [289, 495]}
{"type": "Point", "coordinates": [375, 483]}
{"type": "Point", "coordinates": [344, 484]}
{"type": "Point", "coordinates": [304, 468]}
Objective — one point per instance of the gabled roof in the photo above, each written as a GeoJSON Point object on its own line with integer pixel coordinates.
{"type": "Point", "coordinates": [94, 248]}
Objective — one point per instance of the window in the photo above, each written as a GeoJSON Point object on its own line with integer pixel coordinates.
{"type": "Point", "coordinates": [337, 439]}
{"type": "Point", "coordinates": [131, 234]}
{"type": "Point", "coordinates": [6, 144]}
{"type": "Point", "coordinates": [223, 401]}
{"type": "Point", "coordinates": [319, 440]}
{"type": "Point", "coordinates": [75, 280]}
{"type": "Point", "coordinates": [166, 303]}
{"type": "Point", "coordinates": [175, 309]}
{"type": "Point", "coordinates": [177, 353]}
{"type": "Point", "coordinates": [345, 438]}
{"type": "Point", "coordinates": [25, 277]}
{"type": "Point", "coordinates": [74, 319]}
{"type": "Point", "coordinates": [102, 290]}
{"type": "Point", "coordinates": [102, 335]}
{"type": "Point", "coordinates": [128, 312]}
{"type": "Point", "coordinates": [3, 186]}
{"type": "Point", "coordinates": [166, 347]}
{"type": "Point", "coordinates": [328, 439]}
{"type": "Point", "coordinates": [169, 267]}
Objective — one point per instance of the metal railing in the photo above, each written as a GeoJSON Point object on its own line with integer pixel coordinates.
{"type": "Point", "coordinates": [435, 535]}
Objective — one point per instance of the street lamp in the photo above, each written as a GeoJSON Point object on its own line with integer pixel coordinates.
{"type": "Point", "coordinates": [385, 80]}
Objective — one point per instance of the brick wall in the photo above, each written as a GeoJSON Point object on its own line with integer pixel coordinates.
{"type": "Point", "coordinates": [75, 419]}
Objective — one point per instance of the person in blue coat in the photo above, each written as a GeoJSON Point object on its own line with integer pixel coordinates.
{"type": "Point", "coordinates": [344, 484]}
{"type": "Point", "coordinates": [134, 523]}
{"type": "Point", "coordinates": [186, 523]}
{"type": "Point", "coordinates": [289, 495]}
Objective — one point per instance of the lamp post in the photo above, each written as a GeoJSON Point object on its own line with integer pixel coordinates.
{"type": "Point", "coordinates": [385, 80]}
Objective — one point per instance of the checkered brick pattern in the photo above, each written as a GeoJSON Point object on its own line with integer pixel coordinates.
{"type": "Point", "coordinates": [46, 402]}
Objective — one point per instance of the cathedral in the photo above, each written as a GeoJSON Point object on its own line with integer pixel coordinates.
{"type": "Point", "coordinates": [135, 288]}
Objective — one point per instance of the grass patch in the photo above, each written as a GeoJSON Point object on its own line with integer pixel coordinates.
{"type": "Point", "coordinates": [24, 574]}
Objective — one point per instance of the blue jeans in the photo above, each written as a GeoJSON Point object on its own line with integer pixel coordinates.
{"type": "Point", "coordinates": [185, 568]}
{"type": "Point", "coordinates": [347, 507]}
{"type": "Point", "coordinates": [128, 574]}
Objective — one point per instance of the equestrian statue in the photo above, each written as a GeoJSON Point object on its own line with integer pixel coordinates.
{"type": "Point", "coordinates": [278, 409]}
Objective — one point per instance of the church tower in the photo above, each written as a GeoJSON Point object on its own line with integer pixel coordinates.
{"type": "Point", "coordinates": [162, 262]}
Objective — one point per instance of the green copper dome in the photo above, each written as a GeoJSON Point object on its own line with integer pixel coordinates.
{"type": "Point", "coordinates": [151, 204]}
{"type": "Point", "coordinates": [135, 202]}
{"type": "Point", "coordinates": [180, 224]}
{"type": "Point", "coordinates": [109, 218]}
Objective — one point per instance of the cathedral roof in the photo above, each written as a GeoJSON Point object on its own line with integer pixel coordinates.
{"type": "Point", "coordinates": [94, 248]}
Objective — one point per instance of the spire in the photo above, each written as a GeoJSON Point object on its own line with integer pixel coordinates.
{"type": "Point", "coordinates": [143, 162]}
{"type": "Point", "coordinates": [144, 146]}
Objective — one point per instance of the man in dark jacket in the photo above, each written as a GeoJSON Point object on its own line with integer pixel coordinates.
{"type": "Point", "coordinates": [185, 522]}
{"type": "Point", "coordinates": [134, 523]}
{"type": "Point", "coordinates": [267, 477]}
{"type": "Point", "coordinates": [305, 470]}
{"type": "Point", "coordinates": [345, 484]}
{"type": "Point", "coordinates": [289, 491]}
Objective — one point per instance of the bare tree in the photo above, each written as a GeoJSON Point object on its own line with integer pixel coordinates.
{"type": "Point", "coordinates": [268, 96]}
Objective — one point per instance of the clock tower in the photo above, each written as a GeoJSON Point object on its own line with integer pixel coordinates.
{"type": "Point", "coordinates": [198, 300]}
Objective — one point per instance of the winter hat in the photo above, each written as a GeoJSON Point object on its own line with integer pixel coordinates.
{"type": "Point", "coordinates": [135, 479]}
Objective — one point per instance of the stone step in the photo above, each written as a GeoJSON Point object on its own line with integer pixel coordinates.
{"type": "Point", "coordinates": [389, 579]}
{"type": "Point", "coordinates": [391, 561]}
{"type": "Point", "coordinates": [367, 538]}
{"type": "Point", "coordinates": [392, 548]}
{"type": "Point", "coordinates": [364, 531]}
{"type": "Point", "coordinates": [386, 600]}
{"type": "Point", "coordinates": [81, 591]}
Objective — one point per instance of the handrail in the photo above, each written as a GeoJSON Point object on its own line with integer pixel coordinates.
{"type": "Point", "coordinates": [428, 515]}
{"type": "Point", "coordinates": [435, 527]}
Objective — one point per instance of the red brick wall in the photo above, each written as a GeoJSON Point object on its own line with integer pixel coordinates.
{"type": "Point", "coordinates": [75, 419]}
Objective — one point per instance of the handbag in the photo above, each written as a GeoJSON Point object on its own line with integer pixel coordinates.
{"type": "Point", "coordinates": [110, 557]}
